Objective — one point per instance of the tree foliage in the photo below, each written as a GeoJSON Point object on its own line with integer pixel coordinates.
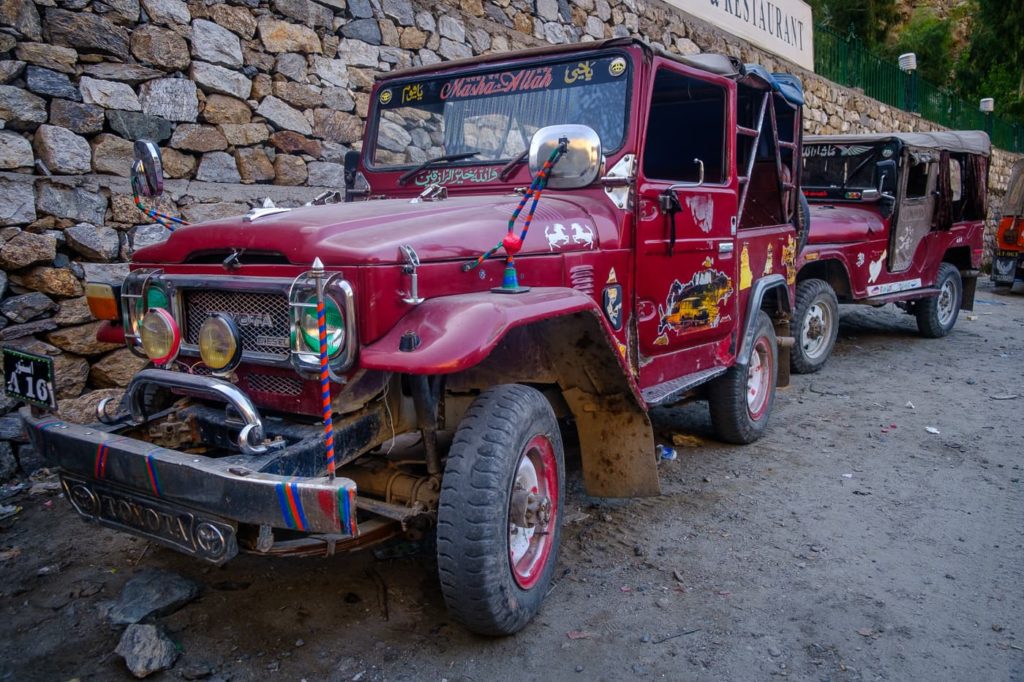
{"type": "Point", "coordinates": [930, 37]}
{"type": "Point", "coordinates": [993, 63]}
{"type": "Point", "coordinates": [868, 20]}
{"type": "Point", "coordinates": [989, 64]}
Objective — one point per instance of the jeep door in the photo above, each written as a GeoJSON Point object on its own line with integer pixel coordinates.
{"type": "Point", "coordinates": [916, 207]}
{"type": "Point", "coordinates": [686, 292]}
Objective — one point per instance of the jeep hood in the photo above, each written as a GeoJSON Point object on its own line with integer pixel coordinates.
{"type": "Point", "coordinates": [844, 223]}
{"type": "Point", "coordinates": [371, 232]}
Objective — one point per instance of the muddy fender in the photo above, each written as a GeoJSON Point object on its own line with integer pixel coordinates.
{"type": "Point", "coordinates": [758, 291]}
{"type": "Point", "coordinates": [547, 336]}
{"type": "Point", "coordinates": [454, 333]}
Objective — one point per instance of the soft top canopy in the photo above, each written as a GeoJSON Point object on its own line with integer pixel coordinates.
{"type": "Point", "coordinates": [968, 141]}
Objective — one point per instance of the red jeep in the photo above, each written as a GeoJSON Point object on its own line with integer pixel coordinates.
{"type": "Point", "coordinates": [895, 218]}
{"type": "Point", "coordinates": [330, 376]}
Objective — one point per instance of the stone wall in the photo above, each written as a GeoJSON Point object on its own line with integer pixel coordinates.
{"type": "Point", "coordinates": [242, 95]}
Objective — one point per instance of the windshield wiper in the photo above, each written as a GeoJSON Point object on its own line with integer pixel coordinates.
{"type": "Point", "coordinates": [507, 169]}
{"type": "Point", "coordinates": [858, 168]}
{"type": "Point", "coordinates": [447, 158]}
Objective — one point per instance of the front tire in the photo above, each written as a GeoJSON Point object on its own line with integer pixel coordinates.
{"type": "Point", "coordinates": [937, 315]}
{"type": "Point", "coordinates": [741, 400]}
{"type": "Point", "coordinates": [500, 515]}
{"type": "Point", "coordinates": [816, 321]}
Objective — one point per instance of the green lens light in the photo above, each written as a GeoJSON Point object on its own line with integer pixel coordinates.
{"type": "Point", "coordinates": [157, 298]}
{"type": "Point", "coordinates": [335, 326]}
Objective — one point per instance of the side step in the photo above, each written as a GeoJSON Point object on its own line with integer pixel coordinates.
{"type": "Point", "coordinates": [927, 292]}
{"type": "Point", "coordinates": [666, 391]}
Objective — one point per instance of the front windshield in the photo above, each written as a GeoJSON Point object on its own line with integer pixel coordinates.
{"type": "Point", "coordinates": [495, 113]}
{"type": "Point", "coordinates": [843, 166]}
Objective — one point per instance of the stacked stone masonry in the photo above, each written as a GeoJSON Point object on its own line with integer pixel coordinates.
{"type": "Point", "coordinates": [247, 99]}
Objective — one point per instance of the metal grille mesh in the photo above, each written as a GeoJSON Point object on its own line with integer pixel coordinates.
{"type": "Point", "coordinates": [262, 319]}
{"type": "Point", "coordinates": [271, 383]}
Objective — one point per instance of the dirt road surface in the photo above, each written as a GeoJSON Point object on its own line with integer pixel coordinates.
{"type": "Point", "coordinates": [849, 544]}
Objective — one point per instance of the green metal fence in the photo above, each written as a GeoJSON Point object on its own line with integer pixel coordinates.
{"type": "Point", "coordinates": [847, 61]}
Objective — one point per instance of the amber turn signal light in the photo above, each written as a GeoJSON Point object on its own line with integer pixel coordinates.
{"type": "Point", "coordinates": [104, 300]}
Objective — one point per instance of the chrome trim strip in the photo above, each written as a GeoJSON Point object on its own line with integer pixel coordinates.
{"type": "Point", "coordinates": [249, 285]}
{"type": "Point", "coordinates": [306, 363]}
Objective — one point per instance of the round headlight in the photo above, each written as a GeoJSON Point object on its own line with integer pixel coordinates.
{"type": "Point", "coordinates": [219, 344]}
{"type": "Point", "coordinates": [335, 326]}
{"type": "Point", "coordinates": [160, 336]}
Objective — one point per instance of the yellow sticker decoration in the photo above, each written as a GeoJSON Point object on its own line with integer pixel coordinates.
{"type": "Point", "coordinates": [746, 276]}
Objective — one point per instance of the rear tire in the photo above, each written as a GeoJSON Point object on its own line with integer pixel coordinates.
{"type": "Point", "coordinates": [741, 400]}
{"type": "Point", "coordinates": [816, 325]}
{"type": "Point", "coordinates": [937, 315]}
{"type": "Point", "coordinates": [802, 222]}
{"type": "Point", "coordinates": [500, 514]}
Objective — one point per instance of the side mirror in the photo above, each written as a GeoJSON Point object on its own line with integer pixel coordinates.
{"type": "Point", "coordinates": [886, 171]}
{"type": "Point", "coordinates": [870, 195]}
{"type": "Point", "coordinates": [580, 164]}
{"type": "Point", "coordinates": [355, 183]}
{"type": "Point", "coordinates": [147, 174]}
{"type": "Point", "coordinates": [351, 167]}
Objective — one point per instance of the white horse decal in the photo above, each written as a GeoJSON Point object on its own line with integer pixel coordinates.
{"type": "Point", "coordinates": [582, 234]}
{"type": "Point", "coordinates": [556, 236]}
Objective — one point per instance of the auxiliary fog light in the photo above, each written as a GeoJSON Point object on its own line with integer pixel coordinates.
{"type": "Point", "coordinates": [219, 343]}
{"type": "Point", "coordinates": [335, 326]}
{"type": "Point", "coordinates": [160, 336]}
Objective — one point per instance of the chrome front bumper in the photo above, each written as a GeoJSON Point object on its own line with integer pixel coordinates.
{"type": "Point", "coordinates": [190, 502]}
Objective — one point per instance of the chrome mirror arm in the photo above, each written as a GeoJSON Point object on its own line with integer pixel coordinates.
{"type": "Point", "coordinates": [682, 185]}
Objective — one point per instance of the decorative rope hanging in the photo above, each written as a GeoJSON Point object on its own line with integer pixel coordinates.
{"type": "Point", "coordinates": [325, 378]}
{"type": "Point", "coordinates": [513, 243]}
{"type": "Point", "coordinates": [325, 385]}
{"type": "Point", "coordinates": [167, 221]}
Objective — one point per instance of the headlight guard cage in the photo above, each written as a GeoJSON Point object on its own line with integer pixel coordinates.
{"type": "Point", "coordinates": [297, 290]}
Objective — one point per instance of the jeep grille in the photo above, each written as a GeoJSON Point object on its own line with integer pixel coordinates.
{"type": "Point", "coordinates": [272, 383]}
{"type": "Point", "coordinates": [262, 319]}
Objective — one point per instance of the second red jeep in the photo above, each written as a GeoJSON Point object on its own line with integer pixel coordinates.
{"type": "Point", "coordinates": [895, 218]}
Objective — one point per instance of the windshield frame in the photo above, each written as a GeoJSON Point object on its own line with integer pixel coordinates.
{"type": "Point", "coordinates": [373, 117]}
{"type": "Point", "coordinates": [846, 192]}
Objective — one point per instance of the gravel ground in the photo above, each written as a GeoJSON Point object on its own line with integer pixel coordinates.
{"type": "Point", "coordinates": [849, 544]}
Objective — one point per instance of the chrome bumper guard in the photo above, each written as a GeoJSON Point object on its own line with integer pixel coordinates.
{"type": "Point", "coordinates": [186, 501]}
{"type": "Point", "coordinates": [250, 438]}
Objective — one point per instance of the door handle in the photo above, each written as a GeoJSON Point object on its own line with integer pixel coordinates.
{"type": "Point", "coordinates": [724, 248]}
{"type": "Point", "coordinates": [670, 206]}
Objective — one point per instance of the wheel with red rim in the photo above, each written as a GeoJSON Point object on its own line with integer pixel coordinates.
{"type": "Point", "coordinates": [741, 399]}
{"type": "Point", "coordinates": [499, 517]}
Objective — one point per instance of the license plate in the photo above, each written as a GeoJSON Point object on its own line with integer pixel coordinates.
{"type": "Point", "coordinates": [1004, 269]}
{"type": "Point", "coordinates": [29, 378]}
{"type": "Point", "coordinates": [199, 535]}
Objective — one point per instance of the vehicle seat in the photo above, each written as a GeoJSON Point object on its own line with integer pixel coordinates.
{"type": "Point", "coordinates": [762, 206]}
